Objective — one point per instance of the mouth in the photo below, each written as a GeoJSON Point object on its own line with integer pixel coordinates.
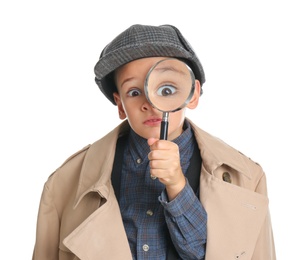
{"type": "Point", "coordinates": [152, 122]}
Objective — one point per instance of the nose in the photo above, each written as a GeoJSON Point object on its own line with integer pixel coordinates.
{"type": "Point", "coordinates": [146, 105]}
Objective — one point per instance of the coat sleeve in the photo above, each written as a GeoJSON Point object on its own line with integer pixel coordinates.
{"type": "Point", "coordinates": [265, 248]}
{"type": "Point", "coordinates": [47, 230]}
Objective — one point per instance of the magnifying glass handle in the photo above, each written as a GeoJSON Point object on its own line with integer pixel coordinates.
{"type": "Point", "coordinates": [164, 126]}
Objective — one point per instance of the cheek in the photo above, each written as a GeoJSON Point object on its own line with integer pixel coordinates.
{"type": "Point", "coordinates": [129, 107]}
{"type": "Point", "coordinates": [177, 118]}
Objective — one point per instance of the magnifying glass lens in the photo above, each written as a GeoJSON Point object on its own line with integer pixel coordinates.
{"type": "Point", "coordinates": [169, 85]}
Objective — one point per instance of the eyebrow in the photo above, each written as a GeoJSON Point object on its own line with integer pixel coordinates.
{"type": "Point", "coordinates": [126, 80]}
{"type": "Point", "coordinates": [169, 68]}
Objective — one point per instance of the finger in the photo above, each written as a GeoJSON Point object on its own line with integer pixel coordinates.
{"type": "Point", "coordinates": [160, 144]}
{"type": "Point", "coordinates": [151, 141]}
{"type": "Point", "coordinates": [164, 165]}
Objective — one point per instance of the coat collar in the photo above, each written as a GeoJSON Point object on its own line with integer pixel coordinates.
{"type": "Point", "coordinates": [98, 163]}
{"type": "Point", "coordinates": [214, 153]}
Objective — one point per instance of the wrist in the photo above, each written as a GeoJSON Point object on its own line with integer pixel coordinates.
{"type": "Point", "coordinates": [174, 189]}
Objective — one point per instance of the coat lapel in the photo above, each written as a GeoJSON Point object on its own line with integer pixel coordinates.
{"type": "Point", "coordinates": [101, 235]}
{"type": "Point", "coordinates": [235, 218]}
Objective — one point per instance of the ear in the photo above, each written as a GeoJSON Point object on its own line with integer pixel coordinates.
{"type": "Point", "coordinates": [193, 103]}
{"type": "Point", "coordinates": [117, 99]}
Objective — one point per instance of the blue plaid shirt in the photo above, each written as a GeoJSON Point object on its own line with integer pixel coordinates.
{"type": "Point", "coordinates": [147, 214]}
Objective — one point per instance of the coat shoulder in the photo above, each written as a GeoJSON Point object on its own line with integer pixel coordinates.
{"type": "Point", "coordinates": [68, 171]}
{"type": "Point", "coordinates": [76, 154]}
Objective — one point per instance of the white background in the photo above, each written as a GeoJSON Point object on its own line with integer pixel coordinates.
{"type": "Point", "coordinates": [256, 62]}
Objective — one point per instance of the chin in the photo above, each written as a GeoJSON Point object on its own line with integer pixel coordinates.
{"type": "Point", "coordinates": [148, 135]}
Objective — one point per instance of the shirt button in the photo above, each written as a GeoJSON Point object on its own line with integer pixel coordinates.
{"type": "Point", "coordinates": [153, 177]}
{"type": "Point", "coordinates": [139, 161]}
{"type": "Point", "coordinates": [145, 247]}
{"type": "Point", "coordinates": [150, 212]}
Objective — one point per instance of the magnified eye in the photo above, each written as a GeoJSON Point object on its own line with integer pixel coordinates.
{"type": "Point", "coordinates": [134, 93]}
{"type": "Point", "coordinates": [166, 90]}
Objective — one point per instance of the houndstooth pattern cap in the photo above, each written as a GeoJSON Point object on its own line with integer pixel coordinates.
{"type": "Point", "coordinates": [142, 41]}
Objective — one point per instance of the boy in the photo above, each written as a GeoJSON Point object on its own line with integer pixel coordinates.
{"type": "Point", "coordinates": [132, 196]}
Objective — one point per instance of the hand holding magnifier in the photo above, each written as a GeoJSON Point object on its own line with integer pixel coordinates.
{"type": "Point", "coordinates": [169, 86]}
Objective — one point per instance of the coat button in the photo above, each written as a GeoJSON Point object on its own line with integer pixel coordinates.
{"type": "Point", "coordinates": [226, 177]}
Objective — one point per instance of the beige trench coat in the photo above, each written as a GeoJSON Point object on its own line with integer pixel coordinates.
{"type": "Point", "coordinates": [79, 216]}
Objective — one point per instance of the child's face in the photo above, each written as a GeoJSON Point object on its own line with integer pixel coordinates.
{"type": "Point", "coordinates": [132, 102]}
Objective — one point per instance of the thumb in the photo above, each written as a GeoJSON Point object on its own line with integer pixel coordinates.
{"type": "Point", "coordinates": [152, 140]}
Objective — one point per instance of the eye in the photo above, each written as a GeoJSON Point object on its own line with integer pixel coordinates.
{"type": "Point", "coordinates": [166, 90]}
{"type": "Point", "coordinates": [134, 93]}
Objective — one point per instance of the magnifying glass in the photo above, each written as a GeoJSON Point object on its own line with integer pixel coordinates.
{"type": "Point", "coordinates": [169, 86]}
